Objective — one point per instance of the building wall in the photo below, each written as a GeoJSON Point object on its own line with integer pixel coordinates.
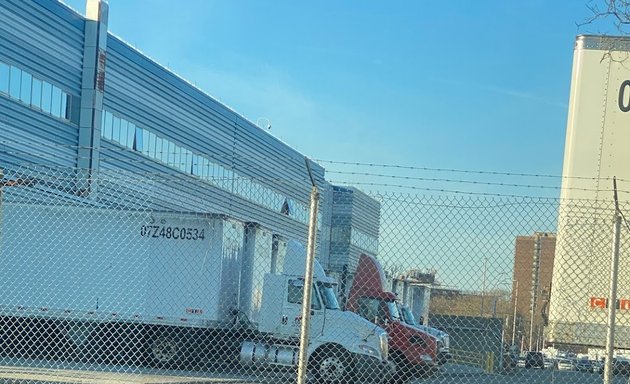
{"type": "Point", "coordinates": [43, 41]}
{"type": "Point", "coordinates": [217, 161]}
{"type": "Point", "coordinates": [354, 230]}
{"type": "Point", "coordinates": [524, 268]}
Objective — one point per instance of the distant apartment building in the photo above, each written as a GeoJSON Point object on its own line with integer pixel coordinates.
{"type": "Point", "coordinates": [533, 268]}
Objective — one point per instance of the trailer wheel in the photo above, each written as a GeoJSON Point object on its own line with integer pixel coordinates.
{"type": "Point", "coordinates": [77, 336]}
{"type": "Point", "coordinates": [333, 366]}
{"type": "Point", "coordinates": [167, 349]}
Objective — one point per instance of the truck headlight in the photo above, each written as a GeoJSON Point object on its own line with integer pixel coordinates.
{"type": "Point", "coordinates": [384, 344]}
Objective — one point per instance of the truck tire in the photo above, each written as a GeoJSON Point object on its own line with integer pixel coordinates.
{"type": "Point", "coordinates": [332, 366]}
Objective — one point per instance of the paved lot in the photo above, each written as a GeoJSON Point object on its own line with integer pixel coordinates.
{"type": "Point", "coordinates": [42, 372]}
{"type": "Point", "coordinates": [16, 371]}
{"type": "Point", "coordinates": [519, 376]}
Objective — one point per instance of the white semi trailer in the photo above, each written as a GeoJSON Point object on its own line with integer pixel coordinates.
{"type": "Point", "coordinates": [596, 150]}
{"type": "Point", "coordinates": [87, 282]}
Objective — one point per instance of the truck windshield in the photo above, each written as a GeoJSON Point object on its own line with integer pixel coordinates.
{"type": "Point", "coordinates": [328, 295]}
{"type": "Point", "coordinates": [407, 315]}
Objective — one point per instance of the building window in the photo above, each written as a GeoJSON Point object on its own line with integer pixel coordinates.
{"type": "Point", "coordinates": [36, 93]}
{"type": "Point", "coordinates": [129, 135]}
{"type": "Point", "coordinates": [15, 78]}
{"type": "Point", "coordinates": [4, 78]}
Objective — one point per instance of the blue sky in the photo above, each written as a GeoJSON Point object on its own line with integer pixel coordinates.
{"type": "Point", "coordinates": [476, 85]}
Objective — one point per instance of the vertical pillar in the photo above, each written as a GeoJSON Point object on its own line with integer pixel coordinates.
{"type": "Point", "coordinates": [405, 292]}
{"type": "Point", "coordinates": [395, 285]}
{"type": "Point", "coordinates": [92, 90]}
{"type": "Point", "coordinates": [247, 268]}
{"type": "Point", "coordinates": [343, 285]}
{"type": "Point", "coordinates": [1, 218]}
{"type": "Point", "coordinates": [275, 246]}
{"type": "Point", "coordinates": [534, 292]}
{"type": "Point", "coordinates": [427, 303]}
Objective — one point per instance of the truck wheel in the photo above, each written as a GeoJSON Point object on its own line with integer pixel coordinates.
{"type": "Point", "coordinates": [333, 366]}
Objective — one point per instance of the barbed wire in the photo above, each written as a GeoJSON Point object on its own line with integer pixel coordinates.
{"type": "Point", "coordinates": [443, 190]}
{"type": "Point", "coordinates": [296, 180]}
{"type": "Point", "coordinates": [472, 182]}
{"type": "Point", "coordinates": [229, 155]}
{"type": "Point", "coordinates": [454, 170]}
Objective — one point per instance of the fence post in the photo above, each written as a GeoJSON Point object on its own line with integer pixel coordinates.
{"type": "Point", "coordinates": [489, 362]}
{"type": "Point", "coordinates": [308, 280]}
{"type": "Point", "coordinates": [1, 185]}
{"type": "Point", "coordinates": [612, 297]}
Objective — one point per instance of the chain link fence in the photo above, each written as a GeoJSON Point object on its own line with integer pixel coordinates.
{"type": "Point", "coordinates": [122, 277]}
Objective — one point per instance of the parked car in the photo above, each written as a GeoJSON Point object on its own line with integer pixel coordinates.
{"type": "Point", "coordinates": [564, 364]}
{"type": "Point", "coordinates": [584, 365]}
{"type": "Point", "coordinates": [534, 359]}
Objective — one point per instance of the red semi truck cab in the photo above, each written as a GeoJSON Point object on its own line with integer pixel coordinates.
{"type": "Point", "coordinates": [412, 351]}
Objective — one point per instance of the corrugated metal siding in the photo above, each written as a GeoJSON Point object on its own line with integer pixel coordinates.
{"type": "Point", "coordinates": [45, 39]}
{"type": "Point", "coordinates": [324, 244]}
{"type": "Point", "coordinates": [153, 98]}
{"type": "Point", "coordinates": [260, 155]}
{"type": "Point", "coordinates": [341, 218]}
{"type": "Point", "coordinates": [353, 210]}
{"type": "Point", "coordinates": [32, 137]}
{"type": "Point", "coordinates": [137, 88]}
{"type": "Point", "coordinates": [366, 213]}
{"type": "Point", "coordinates": [157, 190]}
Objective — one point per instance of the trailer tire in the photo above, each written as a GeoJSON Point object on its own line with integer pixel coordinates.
{"type": "Point", "coordinates": [332, 365]}
{"type": "Point", "coordinates": [167, 349]}
{"type": "Point", "coordinates": [77, 336]}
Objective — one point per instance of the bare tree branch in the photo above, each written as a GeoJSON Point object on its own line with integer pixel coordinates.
{"type": "Point", "coordinates": [602, 10]}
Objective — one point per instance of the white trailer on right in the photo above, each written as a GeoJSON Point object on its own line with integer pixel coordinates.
{"type": "Point", "coordinates": [597, 149]}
